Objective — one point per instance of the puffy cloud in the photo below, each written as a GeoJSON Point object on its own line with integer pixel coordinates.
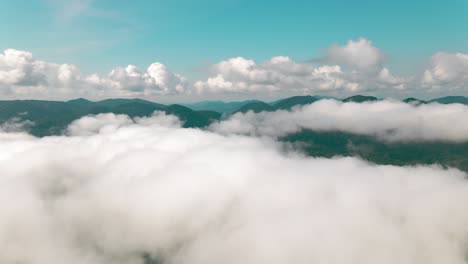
{"type": "Point", "coordinates": [145, 190]}
{"type": "Point", "coordinates": [100, 123]}
{"type": "Point", "coordinates": [355, 67]}
{"type": "Point", "coordinates": [388, 120]}
{"type": "Point", "coordinates": [359, 55]}
{"type": "Point", "coordinates": [362, 71]}
{"type": "Point", "coordinates": [156, 80]}
{"type": "Point", "coordinates": [19, 68]}
{"type": "Point", "coordinates": [448, 71]}
{"type": "Point", "coordinates": [21, 75]}
{"type": "Point", "coordinates": [278, 74]}
{"type": "Point", "coordinates": [386, 79]}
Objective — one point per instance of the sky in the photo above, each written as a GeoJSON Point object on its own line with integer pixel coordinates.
{"type": "Point", "coordinates": [189, 38]}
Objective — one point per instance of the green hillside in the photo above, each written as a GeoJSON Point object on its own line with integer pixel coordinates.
{"type": "Point", "coordinates": [255, 107]}
{"type": "Point", "coordinates": [414, 101]}
{"type": "Point", "coordinates": [329, 144]}
{"type": "Point", "coordinates": [289, 103]}
{"type": "Point", "coordinates": [52, 117]}
{"type": "Point", "coordinates": [451, 100]}
{"type": "Point", "coordinates": [360, 99]}
{"type": "Point", "coordinates": [192, 118]}
{"type": "Point", "coordinates": [218, 106]}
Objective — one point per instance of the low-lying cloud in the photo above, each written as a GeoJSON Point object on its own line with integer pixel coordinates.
{"type": "Point", "coordinates": [121, 190]}
{"type": "Point", "coordinates": [16, 124]}
{"type": "Point", "coordinates": [388, 120]}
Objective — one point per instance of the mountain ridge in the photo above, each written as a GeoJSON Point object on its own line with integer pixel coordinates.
{"type": "Point", "coordinates": [52, 117]}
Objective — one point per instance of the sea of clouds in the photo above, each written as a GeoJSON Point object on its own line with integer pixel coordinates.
{"type": "Point", "coordinates": [118, 190]}
{"type": "Point", "coordinates": [388, 120]}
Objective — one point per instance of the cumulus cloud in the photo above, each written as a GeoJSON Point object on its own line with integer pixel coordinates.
{"type": "Point", "coordinates": [355, 67]}
{"type": "Point", "coordinates": [362, 60]}
{"type": "Point", "coordinates": [388, 120]}
{"type": "Point", "coordinates": [448, 71]}
{"type": "Point", "coordinates": [150, 189]}
{"type": "Point", "coordinates": [360, 55]}
{"type": "Point", "coordinates": [18, 67]}
{"type": "Point", "coordinates": [386, 79]}
{"type": "Point", "coordinates": [21, 75]}
{"type": "Point", "coordinates": [157, 79]}
{"type": "Point", "coordinates": [278, 74]}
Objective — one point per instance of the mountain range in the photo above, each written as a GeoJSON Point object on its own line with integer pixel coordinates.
{"type": "Point", "coordinates": [51, 117]}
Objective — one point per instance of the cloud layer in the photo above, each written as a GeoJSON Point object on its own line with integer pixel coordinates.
{"type": "Point", "coordinates": [119, 191]}
{"type": "Point", "coordinates": [388, 120]}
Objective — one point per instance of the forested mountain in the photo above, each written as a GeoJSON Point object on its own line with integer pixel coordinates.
{"type": "Point", "coordinates": [52, 117]}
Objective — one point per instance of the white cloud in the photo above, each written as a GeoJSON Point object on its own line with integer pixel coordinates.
{"type": "Point", "coordinates": [109, 123]}
{"type": "Point", "coordinates": [192, 196]}
{"type": "Point", "coordinates": [279, 74]}
{"type": "Point", "coordinates": [359, 55]}
{"type": "Point", "coordinates": [356, 67]}
{"type": "Point", "coordinates": [362, 71]}
{"type": "Point", "coordinates": [21, 75]}
{"type": "Point", "coordinates": [388, 120]}
{"type": "Point", "coordinates": [448, 72]}
{"type": "Point", "coordinates": [100, 123]}
{"type": "Point", "coordinates": [386, 79]}
{"type": "Point", "coordinates": [19, 68]}
{"type": "Point", "coordinates": [156, 80]}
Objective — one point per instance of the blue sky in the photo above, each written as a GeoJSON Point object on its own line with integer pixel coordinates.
{"type": "Point", "coordinates": [186, 35]}
{"type": "Point", "coordinates": [409, 44]}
